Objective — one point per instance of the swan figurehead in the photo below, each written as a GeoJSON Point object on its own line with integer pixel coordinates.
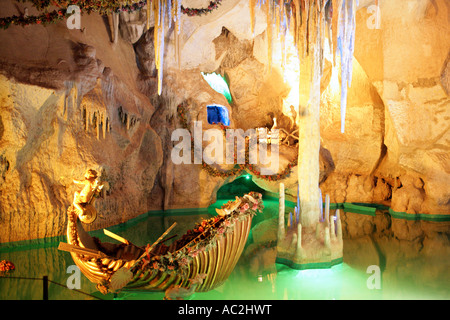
{"type": "Point", "coordinates": [229, 207]}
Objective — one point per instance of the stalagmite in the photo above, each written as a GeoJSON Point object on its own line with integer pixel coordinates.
{"type": "Point", "coordinates": [86, 119]}
{"type": "Point", "coordinates": [327, 208]}
{"type": "Point", "coordinates": [290, 222]}
{"type": "Point", "coordinates": [281, 230]}
{"type": "Point", "coordinates": [338, 225]}
{"type": "Point", "coordinates": [327, 238]}
{"type": "Point", "coordinates": [299, 254]}
{"type": "Point", "coordinates": [294, 241]}
{"type": "Point", "coordinates": [299, 237]}
{"type": "Point", "coordinates": [332, 227]}
{"type": "Point", "coordinates": [321, 205]}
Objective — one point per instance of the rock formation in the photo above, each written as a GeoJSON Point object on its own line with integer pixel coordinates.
{"type": "Point", "coordinates": [75, 99]}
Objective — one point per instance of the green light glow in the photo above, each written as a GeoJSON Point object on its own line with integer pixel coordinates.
{"type": "Point", "coordinates": [255, 277]}
{"type": "Point", "coordinates": [218, 83]}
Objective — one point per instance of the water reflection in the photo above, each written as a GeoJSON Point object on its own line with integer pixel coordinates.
{"type": "Point", "coordinates": [34, 264]}
{"type": "Point", "coordinates": [406, 273]}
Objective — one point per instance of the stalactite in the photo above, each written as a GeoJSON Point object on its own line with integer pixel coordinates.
{"type": "Point", "coordinates": [97, 126]}
{"type": "Point", "coordinates": [157, 38]}
{"type": "Point", "coordinates": [165, 11]}
{"type": "Point", "coordinates": [252, 15]}
{"type": "Point", "coordinates": [276, 8]}
{"type": "Point", "coordinates": [345, 45]}
{"type": "Point", "coordinates": [269, 34]}
{"type": "Point", "coordinates": [104, 125]}
{"type": "Point", "coordinates": [115, 26]}
{"type": "Point", "coordinates": [88, 119]}
{"type": "Point", "coordinates": [177, 17]}
{"type": "Point", "coordinates": [148, 13]}
{"type": "Point", "coordinates": [336, 5]}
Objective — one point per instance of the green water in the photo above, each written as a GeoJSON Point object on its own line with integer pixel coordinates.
{"type": "Point", "coordinates": [404, 273]}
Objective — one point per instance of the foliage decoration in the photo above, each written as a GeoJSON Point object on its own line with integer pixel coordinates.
{"type": "Point", "coordinates": [87, 6]}
{"type": "Point", "coordinates": [200, 11]}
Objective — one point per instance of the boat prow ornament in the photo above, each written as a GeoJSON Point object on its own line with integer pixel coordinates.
{"type": "Point", "coordinates": [89, 214]}
{"type": "Point", "coordinates": [83, 201]}
{"type": "Point", "coordinates": [229, 207]}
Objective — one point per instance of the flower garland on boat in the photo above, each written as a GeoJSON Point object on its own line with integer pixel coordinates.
{"type": "Point", "coordinates": [204, 236]}
{"type": "Point", "coordinates": [239, 168]}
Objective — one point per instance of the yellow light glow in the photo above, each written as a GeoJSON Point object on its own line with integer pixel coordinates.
{"type": "Point", "coordinates": [285, 56]}
{"type": "Point", "coordinates": [334, 87]}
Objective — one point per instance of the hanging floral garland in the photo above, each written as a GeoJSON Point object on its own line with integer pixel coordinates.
{"type": "Point", "coordinates": [238, 168]}
{"type": "Point", "coordinates": [44, 18]}
{"type": "Point", "coordinates": [86, 6]}
{"type": "Point", "coordinates": [199, 11]}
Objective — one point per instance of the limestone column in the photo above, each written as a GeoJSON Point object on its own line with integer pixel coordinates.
{"type": "Point", "coordinates": [308, 151]}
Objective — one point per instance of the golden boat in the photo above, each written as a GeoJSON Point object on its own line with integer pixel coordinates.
{"type": "Point", "coordinates": [211, 250]}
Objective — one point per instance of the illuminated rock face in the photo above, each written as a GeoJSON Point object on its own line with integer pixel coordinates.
{"type": "Point", "coordinates": [66, 107]}
{"type": "Point", "coordinates": [50, 137]}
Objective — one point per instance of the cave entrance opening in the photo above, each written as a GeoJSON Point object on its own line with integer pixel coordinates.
{"type": "Point", "coordinates": [219, 84]}
{"type": "Point", "coordinates": [240, 186]}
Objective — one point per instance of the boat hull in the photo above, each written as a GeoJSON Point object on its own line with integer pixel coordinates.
{"type": "Point", "coordinates": [216, 261]}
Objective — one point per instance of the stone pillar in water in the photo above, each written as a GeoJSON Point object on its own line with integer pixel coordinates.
{"type": "Point", "coordinates": [308, 152]}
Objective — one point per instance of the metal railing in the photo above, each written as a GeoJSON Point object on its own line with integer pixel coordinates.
{"type": "Point", "coordinates": [45, 282]}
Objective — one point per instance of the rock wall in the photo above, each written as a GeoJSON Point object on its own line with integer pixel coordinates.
{"type": "Point", "coordinates": [70, 101]}
{"type": "Point", "coordinates": [73, 99]}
